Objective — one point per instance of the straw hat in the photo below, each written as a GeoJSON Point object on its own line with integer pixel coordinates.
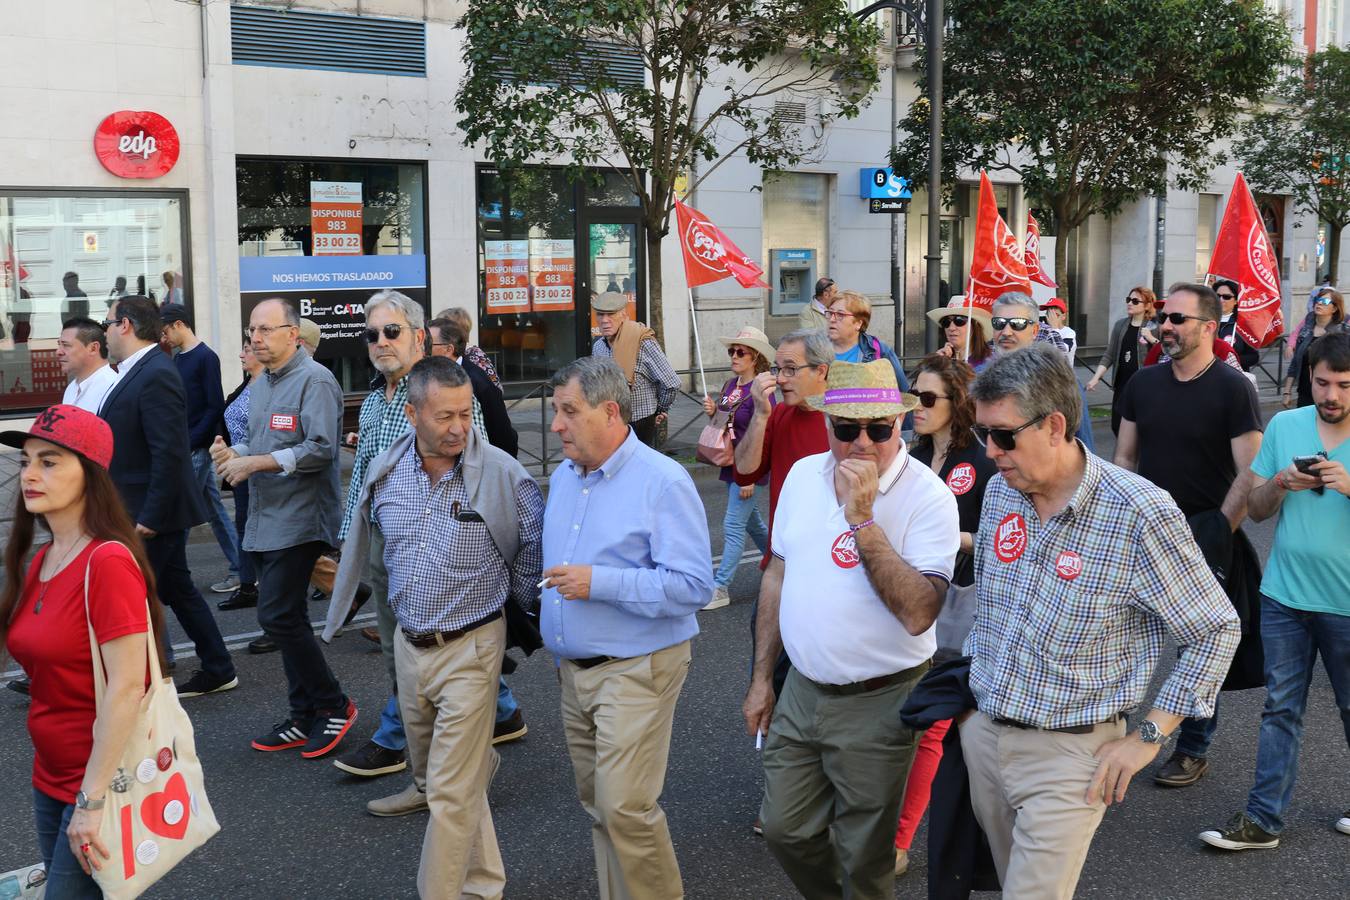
{"type": "Point", "coordinates": [751, 337]}
{"type": "Point", "coordinates": [862, 391]}
{"type": "Point", "coordinates": [960, 305]}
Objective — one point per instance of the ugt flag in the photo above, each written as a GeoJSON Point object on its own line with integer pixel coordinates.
{"type": "Point", "coordinates": [1242, 253]}
{"type": "Point", "coordinates": [709, 255]}
{"type": "Point", "coordinates": [997, 266]}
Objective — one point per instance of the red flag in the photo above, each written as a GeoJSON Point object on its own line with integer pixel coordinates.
{"type": "Point", "coordinates": [1242, 253]}
{"type": "Point", "coordinates": [997, 266]}
{"type": "Point", "coordinates": [709, 255]}
{"type": "Point", "coordinates": [1031, 254]}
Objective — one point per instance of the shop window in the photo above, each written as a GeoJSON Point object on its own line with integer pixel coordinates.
{"type": "Point", "coordinates": [327, 235]}
{"type": "Point", "coordinates": [66, 254]}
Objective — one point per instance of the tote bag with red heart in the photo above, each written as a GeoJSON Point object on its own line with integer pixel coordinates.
{"type": "Point", "coordinates": [156, 811]}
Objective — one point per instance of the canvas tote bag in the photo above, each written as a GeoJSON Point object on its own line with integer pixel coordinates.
{"type": "Point", "coordinates": [156, 811]}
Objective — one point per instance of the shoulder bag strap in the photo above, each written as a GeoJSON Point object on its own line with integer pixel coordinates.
{"type": "Point", "coordinates": [100, 673]}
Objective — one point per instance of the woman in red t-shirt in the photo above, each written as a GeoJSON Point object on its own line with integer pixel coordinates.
{"type": "Point", "coordinates": [65, 483]}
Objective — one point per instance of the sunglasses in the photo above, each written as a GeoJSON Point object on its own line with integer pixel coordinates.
{"type": "Point", "coordinates": [108, 323]}
{"type": "Point", "coordinates": [1133, 301]}
{"type": "Point", "coordinates": [1017, 323]}
{"type": "Point", "coordinates": [877, 432]}
{"type": "Point", "coordinates": [948, 321]}
{"type": "Point", "coordinates": [1322, 301]}
{"type": "Point", "coordinates": [737, 352]}
{"type": "Point", "coordinates": [1175, 318]}
{"type": "Point", "coordinates": [929, 399]}
{"type": "Point", "coordinates": [391, 331]}
{"type": "Point", "coordinates": [1004, 439]}
{"type": "Point", "coordinates": [1227, 296]}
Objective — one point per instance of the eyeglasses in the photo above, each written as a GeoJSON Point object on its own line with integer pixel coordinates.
{"type": "Point", "coordinates": [929, 399]}
{"type": "Point", "coordinates": [1176, 318]}
{"type": "Point", "coordinates": [391, 331]}
{"type": "Point", "coordinates": [266, 330]}
{"type": "Point", "coordinates": [877, 432]}
{"type": "Point", "coordinates": [1004, 439]}
{"type": "Point", "coordinates": [835, 315]}
{"type": "Point", "coordinates": [1017, 323]}
{"type": "Point", "coordinates": [738, 352]}
{"type": "Point", "coordinates": [786, 371]}
{"type": "Point", "coordinates": [442, 344]}
{"type": "Point", "coordinates": [1227, 296]}
{"type": "Point", "coordinates": [1133, 301]}
{"type": "Point", "coordinates": [948, 321]}
{"type": "Point", "coordinates": [108, 323]}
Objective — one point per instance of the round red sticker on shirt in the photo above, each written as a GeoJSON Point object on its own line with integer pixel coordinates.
{"type": "Point", "coordinates": [1010, 538]}
{"type": "Point", "coordinates": [164, 759]}
{"type": "Point", "coordinates": [845, 551]}
{"type": "Point", "coordinates": [1069, 565]}
{"type": "Point", "coordinates": [961, 478]}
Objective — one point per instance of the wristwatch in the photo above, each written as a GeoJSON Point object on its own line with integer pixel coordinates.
{"type": "Point", "coordinates": [1150, 733]}
{"type": "Point", "coordinates": [82, 801]}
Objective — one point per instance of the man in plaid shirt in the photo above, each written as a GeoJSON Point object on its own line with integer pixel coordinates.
{"type": "Point", "coordinates": [1081, 570]}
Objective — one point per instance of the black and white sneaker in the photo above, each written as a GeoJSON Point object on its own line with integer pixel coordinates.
{"type": "Point", "coordinates": [371, 760]}
{"type": "Point", "coordinates": [329, 728]}
{"type": "Point", "coordinates": [202, 683]}
{"type": "Point", "coordinates": [1241, 833]}
{"type": "Point", "coordinates": [285, 735]}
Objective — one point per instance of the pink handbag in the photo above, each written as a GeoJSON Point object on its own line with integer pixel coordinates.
{"type": "Point", "coordinates": [715, 444]}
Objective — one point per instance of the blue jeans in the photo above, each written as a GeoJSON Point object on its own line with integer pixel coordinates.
{"type": "Point", "coordinates": [1292, 638]}
{"type": "Point", "coordinates": [1085, 426]}
{"type": "Point", "coordinates": [205, 470]}
{"type": "Point", "coordinates": [506, 701]}
{"type": "Point", "coordinates": [65, 879]}
{"type": "Point", "coordinates": [391, 736]}
{"type": "Point", "coordinates": [742, 516]}
{"type": "Point", "coordinates": [1195, 735]}
{"type": "Point", "coordinates": [246, 573]}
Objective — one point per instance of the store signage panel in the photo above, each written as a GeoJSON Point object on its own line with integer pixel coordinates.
{"type": "Point", "coordinates": [553, 274]}
{"type": "Point", "coordinates": [882, 184]}
{"type": "Point", "coordinates": [335, 213]}
{"type": "Point", "coordinates": [506, 276]}
{"type": "Point", "coordinates": [136, 144]}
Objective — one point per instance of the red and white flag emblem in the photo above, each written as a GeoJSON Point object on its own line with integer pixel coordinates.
{"type": "Point", "coordinates": [1242, 253]}
{"type": "Point", "coordinates": [844, 552]}
{"type": "Point", "coordinates": [997, 265]}
{"type": "Point", "coordinates": [1031, 254]}
{"type": "Point", "coordinates": [1069, 565]}
{"type": "Point", "coordinates": [961, 478]}
{"type": "Point", "coordinates": [1010, 538]}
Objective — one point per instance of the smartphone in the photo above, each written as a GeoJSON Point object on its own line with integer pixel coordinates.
{"type": "Point", "coordinates": [1305, 463]}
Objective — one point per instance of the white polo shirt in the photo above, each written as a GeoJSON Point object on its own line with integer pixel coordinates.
{"type": "Point", "coordinates": [835, 628]}
{"type": "Point", "coordinates": [89, 394]}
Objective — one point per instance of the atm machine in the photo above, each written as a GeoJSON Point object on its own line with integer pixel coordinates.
{"type": "Point", "coordinates": [792, 274]}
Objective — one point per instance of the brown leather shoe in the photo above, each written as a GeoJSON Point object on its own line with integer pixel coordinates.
{"type": "Point", "coordinates": [371, 634]}
{"type": "Point", "coordinates": [1181, 771]}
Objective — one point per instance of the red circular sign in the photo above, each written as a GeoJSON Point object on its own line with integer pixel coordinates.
{"type": "Point", "coordinates": [164, 759]}
{"type": "Point", "coordinates": [1069, 565]}
{"type": "Point", "coordinates": [1010, 538]}
{"type": "Point", "coordinates": [845, 551]}
{"type": "Point", "coordinates": [136, 144]}
{"type": "Point", "coordinates": [961, 478]}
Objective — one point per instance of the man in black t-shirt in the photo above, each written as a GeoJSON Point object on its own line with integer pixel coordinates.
{"type": "Point", "coordinates": [1191, 426]}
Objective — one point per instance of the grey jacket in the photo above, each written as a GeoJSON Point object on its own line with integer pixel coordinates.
{"type": "Point", "coordinates": [490, 476]}
{"type": "Point", "coordinates": [294, 414]}
{"type": "Point", "coordinates": [1113, 342]}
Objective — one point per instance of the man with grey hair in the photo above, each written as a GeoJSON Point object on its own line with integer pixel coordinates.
{"type": "Point", "coordinates": [1016, 324]}
{"type": "Point", "coordinates": [1081, 569]}
{"type": "Point", "coordinates": [632, 345]}
{"type": "Point", "coordinates": [461, 524]}
{"type": "Point", "coordinates": [627, 565]}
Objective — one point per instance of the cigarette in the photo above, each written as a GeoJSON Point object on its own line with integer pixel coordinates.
{"type": "Point", "coordinates": [543, 584]}
{"type": "Point", "coordinates": [759, 739]}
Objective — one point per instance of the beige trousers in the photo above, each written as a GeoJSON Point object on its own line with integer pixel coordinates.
{"type": "Point", "coordinates": [448, 698]}
{"type": "Point", "coordinates": [1027, 790]}
{"type": "Point", "coordinates": [618, 719]}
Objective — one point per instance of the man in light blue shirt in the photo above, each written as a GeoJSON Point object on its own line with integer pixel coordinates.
{"type": "Point", "coordinates": [626, 567]}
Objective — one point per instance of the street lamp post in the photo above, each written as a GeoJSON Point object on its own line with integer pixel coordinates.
{"type": "Point", "coordinates": [930, 20]}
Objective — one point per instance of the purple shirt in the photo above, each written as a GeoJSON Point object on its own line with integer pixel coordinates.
{"type": "Point", "coordinates": [732, 394]}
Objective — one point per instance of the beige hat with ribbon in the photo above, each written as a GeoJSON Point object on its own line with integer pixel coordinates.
{"type": "Point", "coordinates": [863, 391]}
{"type": "Point", "coordinates": [960, 305]}
{"type": "Point", "coordinates": [752, 337]}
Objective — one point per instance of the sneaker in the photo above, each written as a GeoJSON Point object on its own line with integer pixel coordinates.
{"type": "Point", "coordinates": [757, 827]}
{"type": "Point", "coordinates": [285, 735]}
{"type": "Point", "coordinates": [262, 644]}
{"type": "Point", "coordinates": [202, 683]}
{"type": "Point", "coordinates": [329, 730]}
{"type": "Point", "coordinates": [20, 685]}
{"type": "Point", "coordinates": [405, 802]}
{"type": "Point", "coordinates": [244, 597]}
{"type": "Point", "coordinates": [1343, 823]}
{"type": "Point", "coordinates": [720, 598]}
{"type": "Point", "coordinates": [901, 862]}
{"type": "Point", "coordinates": [509, 729]}
{"type": "Point", "coordinates": [1181, 771]}
{"type": "Point", "coordinates": [371, 760]}
{"type": "Point", "coordinates": [317, 596]}
{"type": "Point", "coordinates": [226, 584]}
{"type": "Point", "coordinates": [1241, 833]}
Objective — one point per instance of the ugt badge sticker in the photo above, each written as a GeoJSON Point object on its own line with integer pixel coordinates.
{"type": "Point", "coordinates": [1010, 538]}
{"type": "Point", "coordinates": [961, 478]}
{"type": "Point", "coordinates": [844, 551]}
{"type": "Point", "coordinates": [1069, 565]}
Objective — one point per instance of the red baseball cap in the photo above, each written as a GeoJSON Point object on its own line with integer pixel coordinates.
{"type": "Point", "coordinates": [78, 430]}
{"type": "Point", "coordinates": [1055, 303]}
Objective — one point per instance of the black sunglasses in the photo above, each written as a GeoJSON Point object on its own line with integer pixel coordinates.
{"type": "Point", "coordinates": [1134, 301]}
{"type": "Point", "coordinates": [877, 432]}
{"type": "Point", "coordinates": [1227, 296]}
{"type": "Point", "coordinates": [391, 331]}
{"type": "Point", "coordinates": [1004, 439]}
{"type": "Point", "coordinates": [1016, 323]}
{"type": "Point", "coordinates": [108, 323]}
{"type": "Point", "coordinates": [1175, 318]}
{"type": "Point", "coordinates": [929, 399]}
{"type": "Point", "coordinates": [949, 321]}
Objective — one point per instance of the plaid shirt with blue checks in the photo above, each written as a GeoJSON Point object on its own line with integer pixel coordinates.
{"type": "Point", "coordinates": [1072, 612]}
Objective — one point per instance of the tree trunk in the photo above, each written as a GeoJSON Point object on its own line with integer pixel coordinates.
{"type": "Point", "coordinates": [655, 311]}
{"type": "Point", "coordinates": [1334, 251]}
{"type": "Point", "coordinates": [1062, 261]}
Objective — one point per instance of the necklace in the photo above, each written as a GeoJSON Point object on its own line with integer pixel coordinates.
{"type": "Point", "coordinates": [42, 595]}
{"type": "Point", "coordinates": [1197, 374]}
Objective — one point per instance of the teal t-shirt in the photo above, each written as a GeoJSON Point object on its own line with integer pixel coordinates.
{"type": "Point", "coordinates": [852, 354]}
{"type": "Point", "coordinates": [1309, 565]}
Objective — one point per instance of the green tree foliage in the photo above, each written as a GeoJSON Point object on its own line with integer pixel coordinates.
{"type": "Point", "coordinates": [542, 85]}
{"type": "Point", "coordinates": [1302, 146]}
{"type": "Point", "coordinates": [1091, 101]}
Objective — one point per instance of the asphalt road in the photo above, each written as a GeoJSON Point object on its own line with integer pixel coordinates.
{"type": "Point", "coordinates": [298, 828]}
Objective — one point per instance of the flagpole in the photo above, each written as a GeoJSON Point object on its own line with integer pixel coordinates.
{"type": "Point", "coordinates": [698, 347]}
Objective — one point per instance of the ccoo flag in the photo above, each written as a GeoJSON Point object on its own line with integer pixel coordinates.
{"type": "Point", "coordinates": [1031, 254]}
{"type": "Point", "coordinates": [997, 266]}
{"type": "Point", "coordinates": [709, 255]}
{"type": "Point", "coordinates": [1242, 253]}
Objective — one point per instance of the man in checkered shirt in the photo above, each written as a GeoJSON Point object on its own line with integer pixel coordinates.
{"type": "Point", "coordinates": [1081, 569]}
{"type": "Point", "coordinates": [633, 346]}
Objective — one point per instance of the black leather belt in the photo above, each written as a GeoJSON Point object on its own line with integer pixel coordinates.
{"type": "Point", "coordinates": [591, 662]}
{"type": "Point", "coordinates": [871, 684]}
{"type": "Point", "coordinates": [1067, 729]}
{"type": "Point", "coordinates": [441, 638]}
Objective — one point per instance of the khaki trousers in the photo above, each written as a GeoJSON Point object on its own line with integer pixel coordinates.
{"type": "Point", "coordinates": [834, 775]}
{"type": "Point", "coordinates": [1027, 791]}
{"type": "Point", "coordinates": [448, 698]}
{"type": "Point", "coordinates": [618, 719]}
